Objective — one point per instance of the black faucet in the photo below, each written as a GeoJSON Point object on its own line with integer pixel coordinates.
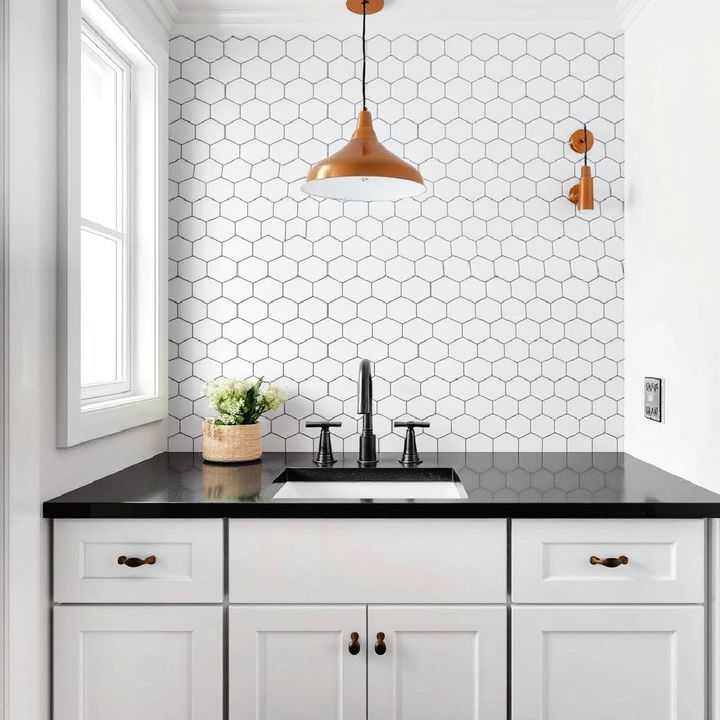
{"type": "Point", "coordinates": [368, 441]}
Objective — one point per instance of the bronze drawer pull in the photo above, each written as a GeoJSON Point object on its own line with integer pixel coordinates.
{"type": "Point", "coordinates": [354, 646]}
{"type": "Point", "coordinates": [380, 647]}
{"type": "Point", "coordinates": [136, 562]}
{"type": "Point", "coordinates": [609, 562]}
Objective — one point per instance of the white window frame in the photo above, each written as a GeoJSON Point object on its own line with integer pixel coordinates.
{"type": "Point", "coordinates": [83, 416]}
{"type": "Point", "coordinates": [93, 393]}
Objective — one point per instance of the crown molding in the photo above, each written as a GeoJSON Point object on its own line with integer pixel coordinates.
{"type": "Point", "coordinates": [166, 13]}
{"type": "Point", "coordinates": [628, 11]}
{"type": "Point", "coordinates": [286, 22]}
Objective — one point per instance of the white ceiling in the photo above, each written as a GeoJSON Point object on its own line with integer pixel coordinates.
{"type": "Point", "coordinates": [399, 16]}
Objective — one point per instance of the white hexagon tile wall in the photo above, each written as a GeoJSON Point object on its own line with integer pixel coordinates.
{"type": "Point", "coordinates": [488, 305]}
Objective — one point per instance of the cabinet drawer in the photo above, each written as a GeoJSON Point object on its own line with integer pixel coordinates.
{"type": "Point", "coordinates": [367, 561]}
{"type": "Point", "coordinates": [551, 561]}
{"type": "Point", "coordinates": [188, 563]}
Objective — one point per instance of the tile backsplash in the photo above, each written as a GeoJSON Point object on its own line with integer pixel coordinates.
{"type": "Point", "coordinates": [489, 305]}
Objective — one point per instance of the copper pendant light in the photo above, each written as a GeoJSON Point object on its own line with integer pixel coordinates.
{"type": "Point", "coordinates": [364, 169]}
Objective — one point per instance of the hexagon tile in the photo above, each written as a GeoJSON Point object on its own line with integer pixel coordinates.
{"type": "Point", "coordinates": [488, 305]}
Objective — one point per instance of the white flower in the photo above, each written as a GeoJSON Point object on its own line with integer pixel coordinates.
{"type": "Point", "coordinates": [242, 402]}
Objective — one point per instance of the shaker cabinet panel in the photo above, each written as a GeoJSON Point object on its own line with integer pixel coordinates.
{"type": "Point", "coordinates": [608, 561]}
{"type": "Point", "coordinates": [297, 662]}
{"type": "Point", "coordinates": [607, 663]}
{"type": "Point", "coordinates": [144, 663]}
{"type": "Point", "coordinates": [138, 561]}
{"type": "Point", "coordinates": [437, 662]}
{"type": "Point", "coordinates": [367, 560]}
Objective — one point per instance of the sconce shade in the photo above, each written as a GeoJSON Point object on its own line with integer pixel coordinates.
{"type": "Point", "coordinates": [585, 190]}
{"type": "Point", "coordinates": [364, 170]}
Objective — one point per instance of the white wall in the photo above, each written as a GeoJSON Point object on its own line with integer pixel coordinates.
{"type": "Point", "coordinates": [672, 235]}
{"type": "Point", "coordinates": [37, 470]}
{"type": "Point", "coordinates": [3, 424]}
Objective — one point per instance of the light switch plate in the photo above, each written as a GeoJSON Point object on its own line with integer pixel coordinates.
{"type": "Point", "coordinates": [653, 398]}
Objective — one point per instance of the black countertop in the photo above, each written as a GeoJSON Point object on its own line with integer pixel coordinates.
{"type": "Point", "coordinates": [517, 485]}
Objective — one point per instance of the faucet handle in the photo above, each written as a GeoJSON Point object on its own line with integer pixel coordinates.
{"type": "Point", "coordinates": [324, 455]}
{"type": "Point", "coordinates": [410, 454]}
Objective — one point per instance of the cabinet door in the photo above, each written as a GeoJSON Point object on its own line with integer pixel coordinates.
{"type": "Point", "coordinates": [607, 663]}
{"type": "Point", "coordinates": [293, 662]}
{"type": "Point", "coordinates": [144, 663]}
{"type": "Point", "coordinates": [440, 662]}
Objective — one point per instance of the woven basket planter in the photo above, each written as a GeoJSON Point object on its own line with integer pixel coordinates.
{"type": "Point", "coordinates": [231, 443]}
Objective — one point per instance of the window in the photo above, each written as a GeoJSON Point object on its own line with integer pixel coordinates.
{"type": "Point", "coordinates": [113, 229]}
{"type": "Point", "coordinates": [104, 246]}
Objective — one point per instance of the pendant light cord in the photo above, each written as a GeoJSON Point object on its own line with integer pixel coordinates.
{"type": "Point", "coordinates": [364, 54]}
{"type": "Point", "coordinates": [586, 147]}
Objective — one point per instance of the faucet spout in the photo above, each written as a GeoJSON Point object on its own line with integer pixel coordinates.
{"type": "Point", "coordinates": [368, 442]}
{"type": "Point", "coordinates": [365, 390]}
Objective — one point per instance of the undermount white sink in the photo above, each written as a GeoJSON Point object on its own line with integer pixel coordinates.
{"type": "Point", "coordinates": [405, 485]}
{"type": "Point", "coordinates": [375, 483]}
{"type": "Point", "coordinates": [381, 490]}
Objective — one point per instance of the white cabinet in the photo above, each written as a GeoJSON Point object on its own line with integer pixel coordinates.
{"type": "Point", "coordinates": [599, 639]}
{"type": "Point", "coordinates": [608, 663]}
{"type": "Point", "coordinates": [138, 561]}
{"type": "Point", "coordinates": [367, 560]}
{"type": "Point", "coordinates": [144, 663]}
{"type": "Point", "coordinates": [440, 663]}
{"type": "Point", "coordinates": [294, 663]}
{"type": "Point", "coordinates": [619, 561]}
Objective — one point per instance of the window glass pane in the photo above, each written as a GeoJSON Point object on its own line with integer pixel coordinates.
{"type": "Point", "coordinates": [102, 128]}
{"type": "Point", "coordinates": [101, 309]}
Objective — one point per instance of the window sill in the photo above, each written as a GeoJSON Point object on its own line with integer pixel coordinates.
{"type": "Point", "coordinates": [93, 404]}
{"type": "Point", "coordinates": [97, 420]}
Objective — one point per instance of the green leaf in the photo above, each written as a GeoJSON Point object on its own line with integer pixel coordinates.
{"type": "Point", "coordinates": [242, 402]}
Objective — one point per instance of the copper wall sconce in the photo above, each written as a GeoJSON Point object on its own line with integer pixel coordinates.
{"type": "Point", "coordinates": [582, 194]}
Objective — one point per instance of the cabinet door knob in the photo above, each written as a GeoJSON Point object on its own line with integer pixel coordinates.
{"type": "Point", "coordinates": [354, 646]}
{"type": "Point", "coordinates": [380, 647]}
{"type": "Point", "coordinates": [136, 562]}
{"type": "Point", "coordinates": [609, 562]}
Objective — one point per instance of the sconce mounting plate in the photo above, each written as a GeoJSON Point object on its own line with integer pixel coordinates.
{"type": "Point", "coordinates": [373, 6]}
{"type": "Point", "coordinates": [574, 193]}
{"type": "Point", "coordinates": [577, 139]}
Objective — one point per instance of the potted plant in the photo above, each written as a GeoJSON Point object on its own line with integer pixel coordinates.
{"type": "Point", "coordinates": [233, 435]}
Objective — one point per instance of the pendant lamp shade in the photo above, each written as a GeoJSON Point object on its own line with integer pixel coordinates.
{"type": "Point", "coordinates": [364, 170]}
